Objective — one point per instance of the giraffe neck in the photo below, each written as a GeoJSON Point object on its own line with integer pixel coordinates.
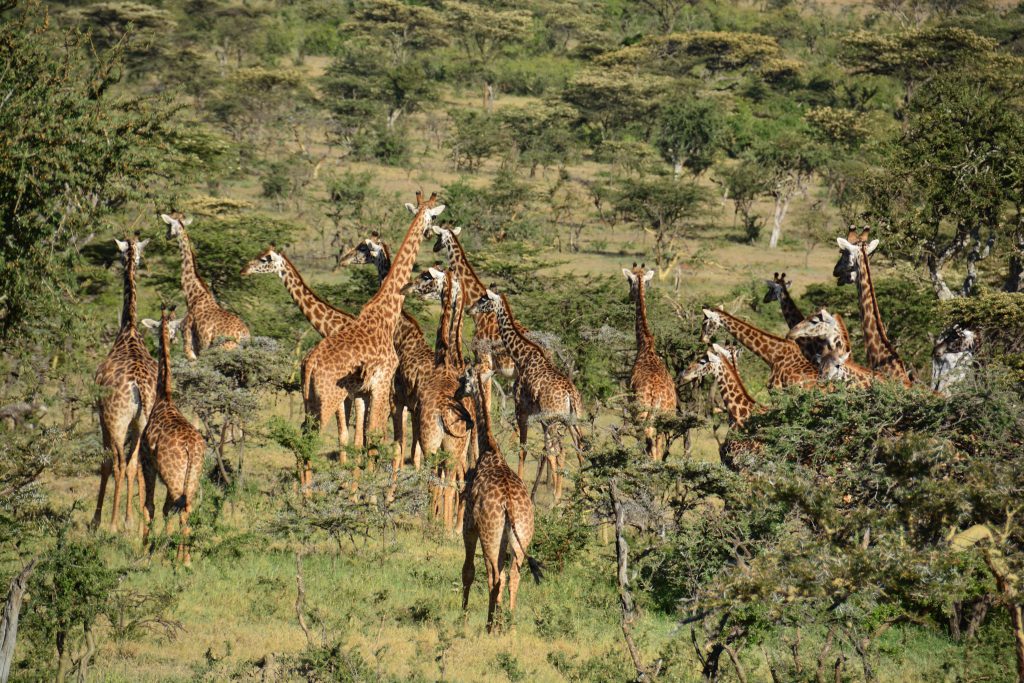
{"type": "Point", "coordinates": [128, 314]}
{"type": "Point", "coordinates": [448, 350]}
{"type": "Point", "coordinates": [163, 378]}
{"type": "Point", "coordinates": [767, 346]}
{"type": "Point", "coordinates": [195, 289]}
{"type": "Point", "coordinates": [644, 338]}
{"type": "Point", "coordinates": [880, 351]}
{"type": "Point", "coordinates": [487, 445]}
{"type": "Point", "coordinates": [387, 302]}
{"type": "Point", "coordinates": [522, 350]}
{"type": "Point", "coordinates": [790, 312]}
{"type": "Point", "coordinates": [738, 401]}
{"type": "Point", "coordinates": [308, 302]}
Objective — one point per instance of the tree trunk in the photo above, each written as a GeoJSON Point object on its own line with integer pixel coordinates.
{"type": "Point", "coordinates": [781, 207]}
{"type": "Point", "coordinates": [9, 620]}
{"type": "Point", "coordinates": [677, 168]}
{"type": "Point", "coordinates": [392, 117]}
{"type": "Point", "coordinates": [488, 98]}
{"type": "Point", "coordinates": [942, 290]}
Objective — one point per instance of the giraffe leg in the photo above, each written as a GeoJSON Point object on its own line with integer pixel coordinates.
{"type": "Point", "coordinates": [106, 469]}
{"type": "Point", "coordinates": [417, 444]}
{"type": "Point", "coordinates": [186, 339]}
{"type": "Point", "coordinates": [346, 408]}
{"type": "Point", "coordinates": [523, 421]}
{"type": "Point", "coordinates": [342, 420]}
{"type": "Point", "coordinates": [398, 425]}
{"type": "Point", "coordinates": [493, 586]}
{"type": "Point", "coordinates": [469, 538]}
{"type": "Point", "coordinates": [360, 423]}
{"type": "Point", "coordinates": [119, 472]}
{"type": "Point", "coordinates": [149, 477]}
{"type": "Point", "coordinates": [186, 532]}
{"type": "Point", "coordinates": [134, 472]}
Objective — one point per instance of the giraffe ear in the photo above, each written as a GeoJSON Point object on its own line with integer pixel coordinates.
{"type": "Point", "coordinates": [457, 229]}
{"type": "Point", "coordinates": [437, 230]}
{"type": "Point", "coordinates": [871, 246]}
{"type": "Point", "coordinates": [827, 317]}
{"type": "Point", "coordinates": [143, 243]}
{"type": "Point", "coordinates": [484, 376]}
{"type": "Point", "coordinates": [435, 273]}
{"type": "Point", "coordinates": [150, 324]}
{"type": "Point", "coordinates": [629, 274]}
{"type": "Point", "coordinates": [844, 244]}
{"type": "Point", "coordinates": [122, 246]}
{"type": "Point", "coordinates": [411, 207]}
{"type": "Point", "coordinates": [437, 211]}
{"type": "Point", "coordinates": [648, 276]}
{"type": "Point", "coordinates": [843, 358]}
{"type": "Point", "coordinates": [169, 220]}
{"type": "Point", "coordinates": [186, 221]}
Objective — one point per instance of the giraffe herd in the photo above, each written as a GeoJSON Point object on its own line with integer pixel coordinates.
{"type": "Point", "coordinates": [378, 362]}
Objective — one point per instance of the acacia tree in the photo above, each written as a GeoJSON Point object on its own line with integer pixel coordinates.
{"type": "Point", "coordinates": [952, 183]}
{"type": "Point", "coordinates": [788, 161]}
{"type": "Point", "coordinates": [482, 33]}
{"type": "Point", "coordinates": [660, 204]}
{"type": "Point", "coordinates": [688, 132]}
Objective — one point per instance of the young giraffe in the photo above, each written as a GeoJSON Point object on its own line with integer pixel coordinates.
{"type": "Point", "coordinates": [176, 448]}
{"type": "Point", "coordinates": [488, 347]}
{"type": "Point", "coordinates": [834, 363]}
{"type": "Point", "coordinates": [787, 361]}
{"type": "Point", "coordinates": [206, 320]}
{"type": "Point", "coordinates": [649, 380]}
{"type": "Point", "coordinates": [366, 348]}
{"type": "Point", "coordinates": [325, 319]}
{"type": "Point", "coordinates": [718, 362]}
{"type": "Point", "coordinates": [498, 511]}
{"type": "Point", "coordinates": [541, 389]}
{"type": "Point", "coordinates": [129, 375]}
{"type": "Point", "coordinates": [853, 267]}
{"type": "Point", "coordinates": [444, 286]}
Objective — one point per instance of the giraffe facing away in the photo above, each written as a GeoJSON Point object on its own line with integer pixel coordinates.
{"type": "Point", "coordinates": [487, 340]}
{"type": "Point", "coordinates": [649, 380]}
{"type": "Point", "coordinates": [541, 390]}
{"type": "Point", "coordinates": [366, 347]}
{"type": "Point", "coordinates": [718, 362]}
{"type": "Point", "coordinates": [128, 375]}
{"type": "Point", "coordinates": [206, 320]}
{"type": "Point", "coordinates": [499, 512]}
{"type": "Point", "coordinates": [853, 267]}
{"type": "Point", "coordinates": [325, 319]}
{"type": "Point", "coordinates": [176, 448]}
{"type": "Point", "coordinates": [787, 362]}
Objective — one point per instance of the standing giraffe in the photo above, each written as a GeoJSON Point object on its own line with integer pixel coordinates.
{"type": "Point", "coordinates": [206, 320]}
{"type": "Point", "coordinates": [788, 363]}
{"type": "Point", "coordinates": [718, 362]}
{"type": "Point", "coordinates": [325, 319]}
{"type": "Point", "coordinates": [129, 376]}
{"type": "Point", "coordinates": [853, 267]}
{"type": "Point", "coordinates": [366, 347]}
{"type": "Point", "coordinates": [487, 341]}
{"type": "Point", "coordinates": [652, 386]}
{"type": "Point", "coordinates": [176, 448]}
{"type": "Point", "coordinates": [541, 389]}
{"type": "Point", "coordinates": [498, 512]}
{"type": "Point", "coordinates": [778, 290]}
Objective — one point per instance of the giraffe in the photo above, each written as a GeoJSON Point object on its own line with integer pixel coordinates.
{"type": "Point", "coordinates": [787, 362]}
{"type": "Point", "coordinates": [834, 363]}
{"type": "Point", "coordinates": [444, 286]}
{"type": "Point", "coordinates": [541, 389]}
{"type": "Point", "coordinates": [718, 362]}
{"type": "Point", "coordinates": [487, 341]}
{"type": "Point", "coordinates": [853, 267]}
{"type": "Point", "coordinates": [498, 511]}
{"type": "Point", "coordinates": [206, 320]}
{"type": "Point", "coordinates": [176, 448]}
{"type": "Point", "coordinates": [366, 347]}
{"type": "Point", "coordinates": [952, 357]}
{"type": "Point", "coordinates": [325, 319]}
{"type": "Point", "coordinates": [129, 376]}
{"type": "Point", "coordinates": [778, 290]}
{"type": "Point", "coordinates": [652, 386]}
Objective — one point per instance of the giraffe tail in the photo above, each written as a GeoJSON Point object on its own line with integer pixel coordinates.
{"type": "Point", "coordinates": [536, 568]}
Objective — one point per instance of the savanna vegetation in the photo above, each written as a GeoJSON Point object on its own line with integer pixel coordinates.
{"type": "Point", "coordinates": [842, 534]}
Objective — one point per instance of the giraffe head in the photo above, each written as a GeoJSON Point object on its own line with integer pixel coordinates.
{"type": "Point", "coordinates": [176, 224]}
{"type": "Point", "coordinates": [712, 321]}
{"type": "Point", "coordinates": [852, 250]}
{"type": "Point", "coordinates": [131, 249]}
{"type": "Point", "coordinates": [956, 339]}
{"type": "Point", "coordinates": [166, 317]}
{"type": "Point", "coordinates": [832, 365]}
{"type": "Point", "coordinates": [637, 277]}
{"type": "Point", "coordinates": [777, 287]}
{"type": "Point", "coordinates": [708, 364]}
{"type": "Point", "coordinates": [370, 250]}
{"type": "Point", "coordinates": [270, 261]}
{"type": "Point", "coordinates": [820, 325]}
{"type": "Point", "coordinates": [490, 302]}
{"type": "Point", "coordinates": [427, 209]}
{"type": "Point", "coordinates": [445, 238]}
{"type": "Point", "coordinates": [428, 285]}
